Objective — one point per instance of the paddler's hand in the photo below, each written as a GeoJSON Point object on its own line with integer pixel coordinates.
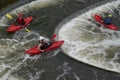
{"type": "Point", "coordinates": [42, 50]}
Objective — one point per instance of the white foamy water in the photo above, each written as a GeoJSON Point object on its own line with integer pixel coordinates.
{"type": "Point", "coordinates": [12, 55]}
{"type": "Point", "coordinates": [87, 43]}
{"type": "Point", "coordinates": [9, 57]}
{"type": "Point", "coordinates": [27, 8]}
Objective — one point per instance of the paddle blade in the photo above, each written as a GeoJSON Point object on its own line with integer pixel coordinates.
{"type": "Point", "coordinates": [54, 36]}
{"type": "Point", "coordinates": [27, 30]}
{"type": "Point", "coordinates": [9, 16]}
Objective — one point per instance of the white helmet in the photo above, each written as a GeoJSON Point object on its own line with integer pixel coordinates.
{"type": "Point", "coordinates": [40, 38]}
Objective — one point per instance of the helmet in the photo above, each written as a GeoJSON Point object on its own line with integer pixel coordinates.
{"type": "Point", "coordinates": [20, 15]}
{"type": "Point", "coordinates": [109, 15]}
{"type": "Point", "coordinates": [40, 38]}
{"type": "Point", "coordinates": [43, 38]}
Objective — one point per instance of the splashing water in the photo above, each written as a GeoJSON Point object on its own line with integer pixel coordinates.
{"type": "Point", "coordinates": [22, 40]}
{"type": "Point", "coordinates": [85, 42]}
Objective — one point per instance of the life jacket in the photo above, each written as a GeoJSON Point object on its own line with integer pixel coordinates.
{"type": "Point", "coordinates": [20, 21]}
{"type": "Point", "coordinates": [44, 45]}
{"type": "Point", "coordinates": [107, 21]}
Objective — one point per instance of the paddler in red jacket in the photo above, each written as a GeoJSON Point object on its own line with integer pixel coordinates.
{"type": "Point", "coordinates": [20, 20]}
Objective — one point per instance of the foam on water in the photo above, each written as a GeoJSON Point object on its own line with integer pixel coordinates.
{"type": "Point", "coordinates": [85, 42]}
{"type": "Point", "coordinates": [12, 55]}
{"type": "Point", "coordinates": [9, 60]}
{"type": "Point", "coordinates": [27, 8]}
{"type": "Point", "coordinates": [35, 5]}
{"type": "Point", "coordinates": [66, 71]}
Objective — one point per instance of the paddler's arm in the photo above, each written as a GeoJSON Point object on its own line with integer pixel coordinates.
{"type": "Point", "coordinates": [39, 47]}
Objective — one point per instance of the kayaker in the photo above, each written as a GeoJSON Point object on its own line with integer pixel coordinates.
{"type": "Point", "coordinates": [107, 20]}
{"type": "Point", "coordinates": [43, 44]}
{"type": "Point", "coordinates": [20, 20]}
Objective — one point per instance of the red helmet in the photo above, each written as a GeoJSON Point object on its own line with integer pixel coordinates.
{"type": "Point", "coordinates": [20, 15]}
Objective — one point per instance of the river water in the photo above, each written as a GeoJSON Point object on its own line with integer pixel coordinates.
{"type": "Point", "coordinates": [89, 53]}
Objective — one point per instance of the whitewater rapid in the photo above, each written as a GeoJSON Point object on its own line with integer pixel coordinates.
{"type": "Point", "coordinates": [12, 47]}
{"type": "Point", "coordinates": [88, 43]}
{"type": "Point", "coordinates": [80, 32]}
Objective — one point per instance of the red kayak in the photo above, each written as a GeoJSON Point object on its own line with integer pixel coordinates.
{"type": "Point", "coordinates": [14, 27]}
{"type": "Point", "coordinates": [34, 50]}
{"type": "Point", "coordinates": [98, 18]}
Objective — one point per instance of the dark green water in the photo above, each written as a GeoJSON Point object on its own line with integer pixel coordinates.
{"type": "Point", "coordinates": [56, 65]}
{"type": "Point", "coordinates": [5, 3]}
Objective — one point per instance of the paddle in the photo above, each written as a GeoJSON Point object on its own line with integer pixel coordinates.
{"type": "Point", "coordinates": [9, 16]}
{"type": "Point", "coordinates": [53, 37]}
